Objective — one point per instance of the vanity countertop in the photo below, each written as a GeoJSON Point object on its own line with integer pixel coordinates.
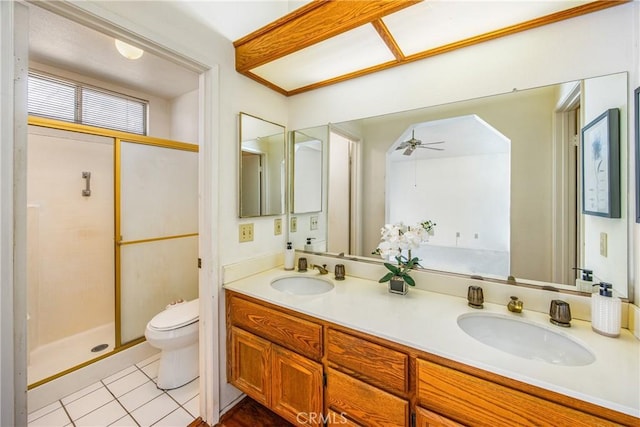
{"type": "Point", "coordinates": [427, 321]}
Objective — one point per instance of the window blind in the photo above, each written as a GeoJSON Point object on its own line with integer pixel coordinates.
{"type": "Point", "coordinates": [73, 102]}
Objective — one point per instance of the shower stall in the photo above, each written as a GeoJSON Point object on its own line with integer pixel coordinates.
{"type": "Point", "coordinates": [111, 239]}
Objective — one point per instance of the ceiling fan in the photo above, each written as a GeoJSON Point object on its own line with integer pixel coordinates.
{"type": "Point", "coordinates": [410, 145]}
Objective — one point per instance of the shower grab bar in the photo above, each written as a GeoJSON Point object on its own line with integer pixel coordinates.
{"type": "Point", "coordinates": [87, 190]}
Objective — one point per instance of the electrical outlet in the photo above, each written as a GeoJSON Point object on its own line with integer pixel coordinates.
{"type": "Point", "coordinates": [277, 226]}
{"type": "Point", "coordinates": [294, 224]}
{"type": "Point", "coordinates": [457, 234]}
{"type": "Point", "coordinates": [313, 223]}
{"type": "Point", "coordinates": [246, 232]}
{"type": "Point", "coordinates": [475, 236]}
{"type": "Point", "coordinates": [603, 244]}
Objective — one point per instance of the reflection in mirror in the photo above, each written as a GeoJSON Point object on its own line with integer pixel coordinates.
{"type": "Point", "coordinates": [473, 159]}
{"type": "Point", "coordinates": [262, 167]}
{"type": "Point", "coordinates": [307, 152]}
{"type": "Point", "coordinates": [548, 236]}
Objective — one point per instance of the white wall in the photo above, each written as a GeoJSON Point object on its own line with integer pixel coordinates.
{"type": "Point", "coordinates": [600, 95]}
{"type": "Point", "coordinates": [184, 117]}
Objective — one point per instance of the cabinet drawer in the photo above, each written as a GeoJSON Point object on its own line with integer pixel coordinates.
{"type": "Point", "coordinates": [471, 400]}
{"type": "Point", "coordinates": [363, 403]}
{"type": "Point", "coordinates": [290, 332]}
{"type": "Point", "coordinates": [375, 363]}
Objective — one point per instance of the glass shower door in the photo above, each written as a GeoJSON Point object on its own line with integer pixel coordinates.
{"type": "Point", "coordinates": [157, 229]}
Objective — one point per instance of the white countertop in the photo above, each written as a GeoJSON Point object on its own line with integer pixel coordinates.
{"type": "Point", "coordinates": [427, 321]}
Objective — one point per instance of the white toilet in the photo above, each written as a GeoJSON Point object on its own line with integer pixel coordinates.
{"type": "Point", "coordinates": [175, 332]}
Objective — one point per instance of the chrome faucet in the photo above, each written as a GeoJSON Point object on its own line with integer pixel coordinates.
{"type": "Point", "coordinates": [321, 268]}
{"type": "Point", "coordinates": [515, 305]}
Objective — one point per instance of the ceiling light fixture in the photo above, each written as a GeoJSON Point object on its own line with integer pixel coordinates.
{"type": "Point", "coordinates": [128, 51]}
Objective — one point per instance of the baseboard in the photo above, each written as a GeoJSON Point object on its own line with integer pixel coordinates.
{"type": "Point", "coordinates": [51, 391]}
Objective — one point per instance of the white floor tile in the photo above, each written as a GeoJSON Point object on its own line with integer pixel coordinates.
{"type": "Point", "coordinates": [92, 401]}
{"type": "Point", "coordinates": [149, 360]}
{"type": "Point", "coordinates": [178, 418]}
{"type": "Point", "coordinates": [139, 396]}
{"type": "Point", "coordinates": [102, 416]}
{"type": "Point", "coordinates": [186, 392]}
{"type": "Point", "coordinates": [80, 393]}
{"type": "Point", "coordinates": [127, 383]}
{"type": "Point", "coordinates": [193, 406]}
{"type": "Point", "coordinates": [56, 418]}
{"type": "Point", "coordinates": [151, 370]}
{"type": "Point", "coordinates": [44, 411]}
{"type": "Point", "coordinates": [155, 410]}
{"type": "Point", "coordinates": [126, 421]}
{"type": "Point", "coordinates": [119, 375]}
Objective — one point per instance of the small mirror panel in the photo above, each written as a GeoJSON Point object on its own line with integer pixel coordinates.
{"type": "Point", "coordinates": [306, 183]}
{"type": "Point", "coordinates": [262, 168]}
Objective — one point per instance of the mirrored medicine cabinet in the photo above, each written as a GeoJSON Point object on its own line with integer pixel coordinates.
{"type": "Point", "coordinates": [537, 150]}
{"type": "Point", "coordinates": [262, 167]}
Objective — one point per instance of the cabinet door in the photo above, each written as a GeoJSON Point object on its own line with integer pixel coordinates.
{"type": "Point", "coordinates": [296, 391]}
{"type": "Point", "coordinates": [426, 418]}
{"type": "Point", "coordinates": [250, 367]}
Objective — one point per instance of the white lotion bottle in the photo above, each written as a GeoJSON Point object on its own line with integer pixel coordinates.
{"type": "Point", "coordinates": [606, 311]}
{"type": "Point", "coordinates": [289, 257]}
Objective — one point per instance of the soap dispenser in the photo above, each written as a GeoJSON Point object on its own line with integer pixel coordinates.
{"type": "Point", "coordinates": [605, 311]}
{"type": "Point", "coordinates": [585, 282]}
{"type": "Point", "coordinates": [289, 257]}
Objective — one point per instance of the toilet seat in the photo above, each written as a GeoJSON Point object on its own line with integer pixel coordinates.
{"type": "Point", "coordinates": [175, 317]}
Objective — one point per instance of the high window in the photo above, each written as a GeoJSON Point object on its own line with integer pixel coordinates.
{"type": "Point", "coordinates": [69, 101]}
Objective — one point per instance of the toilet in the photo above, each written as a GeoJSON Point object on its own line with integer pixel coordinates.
{"type": "Point", "coordinates": [175, 331]}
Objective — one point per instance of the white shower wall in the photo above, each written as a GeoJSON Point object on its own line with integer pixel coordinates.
{"type": "Point", "coordinates": [70, 237]}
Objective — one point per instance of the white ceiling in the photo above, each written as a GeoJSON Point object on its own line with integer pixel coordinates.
{"type": "Point", "coordinates": [462, 136]}
{"type": "Point", "coordinates": [62, 43]}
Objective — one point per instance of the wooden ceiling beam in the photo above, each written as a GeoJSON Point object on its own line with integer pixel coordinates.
{"type": "Point", "coordinates": [388, 39]}
{"type": "Point", "coordinates": [308, 25]}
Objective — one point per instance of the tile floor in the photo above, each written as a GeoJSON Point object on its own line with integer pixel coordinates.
{"type": "Point", "coordinates": [127, 398]}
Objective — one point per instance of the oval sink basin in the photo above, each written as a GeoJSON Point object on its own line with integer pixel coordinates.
{"type": "Point", "coordinates": [301, 285]}
{"type": "Point", "coordinates": [525, 339]}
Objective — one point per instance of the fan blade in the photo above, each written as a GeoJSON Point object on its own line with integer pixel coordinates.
{"type": "Point", "coordinates": [433, 148]}
{"type": "Point", "coordinates": [402, 145]}
{"type": "Point", "coordinates": [409, 150]}
{"type": "Point", "coordinates": [432, 143]}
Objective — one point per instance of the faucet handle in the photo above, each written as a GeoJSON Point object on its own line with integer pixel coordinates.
{"type": "Point", "coordinates": [475, 296]}
{"type": "Point", "coordinates": [560, 313]}
{"type": "Point", "coordinates": [515, 305]}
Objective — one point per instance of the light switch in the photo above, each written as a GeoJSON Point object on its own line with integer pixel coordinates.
{"type": "Point", "coordinates": [603, 244]}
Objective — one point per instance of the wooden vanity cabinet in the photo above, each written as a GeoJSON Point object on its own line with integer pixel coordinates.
{"type": "Point", "coordinates": [278, 357]}
{"type": "Point", "coordinates": [274, 375]}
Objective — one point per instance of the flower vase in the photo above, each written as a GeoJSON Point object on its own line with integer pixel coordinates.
{"type": "Point", "coordinates": [397, 285]}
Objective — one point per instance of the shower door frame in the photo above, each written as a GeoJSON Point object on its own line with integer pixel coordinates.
{"type": "Point", "coordinates": [118, 138]}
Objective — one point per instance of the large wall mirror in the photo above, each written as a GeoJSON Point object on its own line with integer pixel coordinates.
{"type": "Point", "coordinates": [500, 176]}
{"type": "Point", "coordinates": [262, 169]}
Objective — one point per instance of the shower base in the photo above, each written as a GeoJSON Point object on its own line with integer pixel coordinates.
{"type": "Point", "coordinates": [53, 358]}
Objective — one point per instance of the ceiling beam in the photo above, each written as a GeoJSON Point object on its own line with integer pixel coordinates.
{"type": "Point", "coordinates": [388, 39]}
{"type": "Point", "coordinates": [308, 25]}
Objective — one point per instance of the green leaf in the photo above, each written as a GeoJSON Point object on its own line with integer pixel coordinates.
{"type": "Point", "coordinates": [409, 280]}
{"type": "Point", "coordinates": [392, 268]}
{"type": "Point", "coordinates": [386, 278]}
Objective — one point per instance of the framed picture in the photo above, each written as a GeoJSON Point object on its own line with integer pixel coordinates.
{"type": "Point", "coordinates": [636, 102]}
{"type": "Point", "coordinates": [601, 165]}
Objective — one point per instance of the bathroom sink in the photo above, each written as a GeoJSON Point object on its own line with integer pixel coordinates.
{"type": "Point", "coordinates": [302, 285]}
{"type": "Point", "coordinates": [525, 339]}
